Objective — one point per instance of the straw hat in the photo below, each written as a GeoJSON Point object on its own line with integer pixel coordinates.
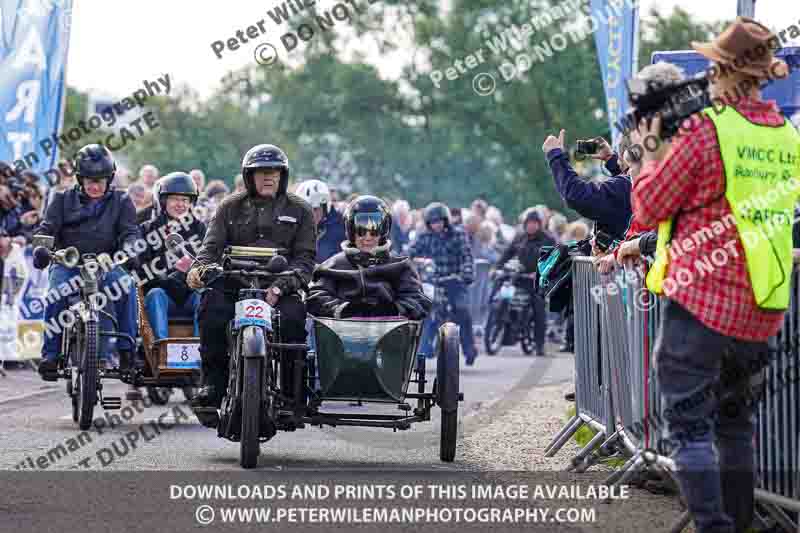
{"type": "Point", "coordinates": [746, 46]}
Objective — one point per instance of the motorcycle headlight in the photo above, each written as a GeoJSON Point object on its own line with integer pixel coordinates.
{"type": "Point", "coordinates": [88, 271]}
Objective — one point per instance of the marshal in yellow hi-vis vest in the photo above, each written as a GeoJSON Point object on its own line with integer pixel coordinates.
{"type": "Point", "coordinates": [759, 161]}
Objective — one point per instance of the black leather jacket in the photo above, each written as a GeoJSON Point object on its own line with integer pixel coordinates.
{"type": "Point", "coordinates": [354, 284]}
{"type": "Point", "coordinates": [282, 222]}
{"type": "Point", "coordinates": [526, 248]}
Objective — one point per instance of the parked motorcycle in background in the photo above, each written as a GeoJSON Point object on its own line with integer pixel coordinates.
{"type": "Point", "coordinates": [510, 317]}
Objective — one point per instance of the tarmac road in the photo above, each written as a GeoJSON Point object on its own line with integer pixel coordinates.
{"type": "Point", "coordinates": [38, 431]}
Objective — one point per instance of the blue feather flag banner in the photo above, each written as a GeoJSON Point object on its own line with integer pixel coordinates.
{"type": "Point", "coordinates": [35, 42]}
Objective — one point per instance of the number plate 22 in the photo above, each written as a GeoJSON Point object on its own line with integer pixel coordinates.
{"type": "Point", "coordinates": [253, 313]}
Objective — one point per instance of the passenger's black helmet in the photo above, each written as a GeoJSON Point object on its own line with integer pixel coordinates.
{"type": "Point", "coordinates": [367, 213]}
{"type": "Point", "coordinates": [265, 156]}
{"type": "Point", "coordinates": [94, 161]}
{"type": "Point", "coordinates": [436, 212]}
{"type": "Point", "coordinates": [173, 183]}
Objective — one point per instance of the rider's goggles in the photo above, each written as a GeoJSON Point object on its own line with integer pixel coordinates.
{"type": "Point", "coordinates": [368, 223]}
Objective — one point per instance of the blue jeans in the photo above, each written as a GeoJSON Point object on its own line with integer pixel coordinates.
{"type": "Point", "coordinates": [159, 307]}
{"type": "Point", "coordinates": [117, 287]}
{"type": "Point", "coordinates": [459, 300]}
{"type": "Point", "coordinates": [709, 384]}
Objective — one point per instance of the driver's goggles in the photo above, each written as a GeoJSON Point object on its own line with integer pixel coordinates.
{"type": "Point", "coordinates": [368, 224]}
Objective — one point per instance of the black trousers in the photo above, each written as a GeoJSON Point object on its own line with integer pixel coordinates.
{"type": "Point", "coordinates": [539, 318]}
{"type": "Point", "coordinates": [218, 308]}
{"type": "Point", "coordinates": [537, 311]}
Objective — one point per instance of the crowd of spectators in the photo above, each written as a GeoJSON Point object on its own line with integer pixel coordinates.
{"type": "Point", "coordinates": [24, 199]}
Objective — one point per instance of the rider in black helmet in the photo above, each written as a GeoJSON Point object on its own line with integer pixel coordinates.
{"type": "Point", "coordinates": [262, 157]}
{"type": "Point", "coordinates": [448, 247]}
{"type": "Point", "coordinates": [387, 284]}
{"type": "Point", "coordinates": [263, 215]}
{"type": "Point", "coordinates": [526, 247]}
{"type": "Point", "coordinates": [174, 197]}
{"type": "Point", "coordinates": [436, 212]}
{"type": "Point", "coordinates": [94, 218]}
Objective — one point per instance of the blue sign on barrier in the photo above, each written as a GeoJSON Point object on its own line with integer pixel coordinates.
{"type": "Point", "coordinates": [35, 37]}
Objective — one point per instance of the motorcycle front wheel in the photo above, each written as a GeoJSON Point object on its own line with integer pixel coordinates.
{"type": "Point", "coordinates": [493, 333]}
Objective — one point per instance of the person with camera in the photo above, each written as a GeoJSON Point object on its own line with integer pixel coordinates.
{"type": "Point", "coordinates": [392, 288]}
{"type": "Point", "coordinates": [17, 214]}
{"type": "Point", "coordinates": [94, 218]}
{"type": "Point", "coordinates": [639, 240]}
{"type": "Point", "coordinates": [526, 247]}
{"type": "Point", "coordinates": [447, 246]}
{"type": "Point", "coordinates": [716, 322]}
{"type": "Point", "coordinates": [606, 203]}
{"type": "Point", "coordinates": [264, 215]}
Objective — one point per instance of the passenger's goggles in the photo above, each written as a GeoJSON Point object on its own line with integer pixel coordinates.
{"type": "Point", "coordinates": [368, 224]}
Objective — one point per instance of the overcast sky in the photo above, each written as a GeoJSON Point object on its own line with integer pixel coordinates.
{"type": "Point", "coordinates": [114, 46]}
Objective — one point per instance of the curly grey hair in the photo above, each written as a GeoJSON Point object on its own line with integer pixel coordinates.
{"type": "Point", "coordinates": [662, 72]}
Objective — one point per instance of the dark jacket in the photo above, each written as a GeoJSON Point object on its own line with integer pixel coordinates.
{"type": "Point", "coordinates": [390, 287]}
{"type": "Point", "coordinates": [526, 248]}
{"type": "Point", "coordinates": [107, 226]}
{"type": "Point", "coordinates": [399, 237]}
{"type": "Point", "coordinates": [449, 249]}
{"type": "Point", "coordinates": [331, 236]}
{"type": "Point", "coordinates": [607, 203]}
{"type": "Point", "coordinates": [157, 263]}
{"type": "Point", "coordinates": [282, 222]}
{"type": "Point", "coordinates": [144, 215]}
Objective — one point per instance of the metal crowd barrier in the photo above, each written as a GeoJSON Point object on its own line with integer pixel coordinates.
{"type": "Point", "coordinates": [592, 394]}
{"type": "Point", "coordinates": [479, 293]}
{"type": "Point", "coordinates": [617, 393]}
{"type": "Point", "coordinates": [778, 420]}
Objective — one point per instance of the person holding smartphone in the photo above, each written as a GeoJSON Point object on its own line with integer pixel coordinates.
{"type": "Point", "coordinates": [607, 203]}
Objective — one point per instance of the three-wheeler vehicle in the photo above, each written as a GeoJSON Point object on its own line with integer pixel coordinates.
{"type": "Point", "coordinates": [277, 386]}
{"type": "Point", "coordinates": [171, 362]}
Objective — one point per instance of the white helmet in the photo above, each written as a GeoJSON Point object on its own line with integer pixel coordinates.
{"type": "Point", "coordinates": [315, 193]}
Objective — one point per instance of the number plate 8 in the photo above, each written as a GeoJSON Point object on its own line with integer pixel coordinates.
{"type": "Point", "coordinates": [253, 313]}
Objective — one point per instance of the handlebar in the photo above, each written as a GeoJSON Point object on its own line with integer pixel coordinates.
{"type": "Point", "coordinates": [219, 272]}
{"type": "Point", "coordinates": [258, 273]}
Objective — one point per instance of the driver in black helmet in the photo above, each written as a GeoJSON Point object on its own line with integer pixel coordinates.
{"type": "Point", "coordinates": [391, 289]}
{"type": "Point", "coordinates": [94, 218]}
{"type": "Point", "coordinates": [263, 215]}
{"type": "Point", "coordinates": [166, 293]}
{"type": "Point", "coordinates": [448, 247]}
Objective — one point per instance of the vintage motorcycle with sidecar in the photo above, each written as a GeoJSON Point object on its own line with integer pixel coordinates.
{"type": "Point", "coordinates": [172, 362]}
{"type": "Point", "coordinates": [276, 386]}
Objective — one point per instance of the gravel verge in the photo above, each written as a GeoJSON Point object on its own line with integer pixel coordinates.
{"type": "Point", "coordinates": [508, 441]}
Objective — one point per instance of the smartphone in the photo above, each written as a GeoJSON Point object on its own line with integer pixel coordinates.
{"type": "Point", "coordinates": [587, 147]}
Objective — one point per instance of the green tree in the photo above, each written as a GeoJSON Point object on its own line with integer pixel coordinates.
{"type": "Point", "coordinates": [675, 31]}
{"type": "Point", "coordinates": [341, 118]}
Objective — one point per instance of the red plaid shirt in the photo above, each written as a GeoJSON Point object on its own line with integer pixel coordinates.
{"type": "Point", "coordinates": [690, 182]}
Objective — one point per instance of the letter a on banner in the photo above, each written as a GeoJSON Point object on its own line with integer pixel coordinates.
{"type": "Point", "coordinates": [35, 37]}
{"type": "Point", "coordinates": [616, 39]}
